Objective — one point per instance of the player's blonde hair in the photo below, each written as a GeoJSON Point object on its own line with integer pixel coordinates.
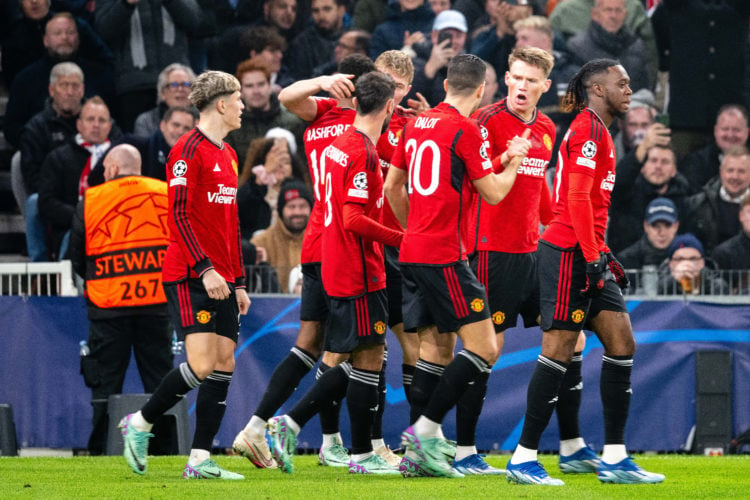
{"type": "Point", "coordinates": [533, 56]}
{"type": "Point", "coordinates": [398, 62]}
{"type": "Point", "coordinates": [210, 85]}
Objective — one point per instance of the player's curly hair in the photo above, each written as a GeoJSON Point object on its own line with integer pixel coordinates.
{"type": "Point", "coordinates": [576, 95]}
{"type": "Point", "coordinates": [212, 84]}
{"type": "Point", "coordinates": [357, 65]}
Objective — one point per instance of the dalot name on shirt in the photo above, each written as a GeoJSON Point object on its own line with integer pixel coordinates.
{"type": "Point", "coordinates": [225, 195]}
{"type": "Point", "coordinates": [422, 122]}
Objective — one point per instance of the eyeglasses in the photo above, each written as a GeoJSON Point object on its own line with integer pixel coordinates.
{"type": "Point", "coordinates": [689, 259]}
{"type": "Point", "coordinates": [177, 85]}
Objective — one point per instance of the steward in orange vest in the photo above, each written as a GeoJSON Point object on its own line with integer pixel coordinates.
{"type": "Point", "coordinates": [117, 244]}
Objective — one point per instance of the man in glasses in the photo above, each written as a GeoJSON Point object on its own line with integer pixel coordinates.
{"type": "Point", "coordinates": [690, 272]}
{"type": "Point", "coordinates": [173, 88]}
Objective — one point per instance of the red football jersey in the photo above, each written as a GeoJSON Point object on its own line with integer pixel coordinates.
{"type": "Point", "coordinates": [512, 226]}
{"type": "Point", "coordinates": [352, 265]}
{"type": "Point", "coordinates": [587, 148]}
{"type": "Point", "coordinates": [204, 227]}
{"type": "Point", "coordinates": [386, 148]}
{"type": "Point", "coordinates": [443, 152]}
{"type": "Point", "coordinates": [330, 122]}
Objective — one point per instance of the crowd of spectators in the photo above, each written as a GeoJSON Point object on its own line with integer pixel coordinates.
{"type": "Point", "coordinates": [683, 164]}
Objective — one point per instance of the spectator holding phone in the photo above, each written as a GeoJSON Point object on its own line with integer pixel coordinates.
{"type": "Point", "coordinates": [448, 38]}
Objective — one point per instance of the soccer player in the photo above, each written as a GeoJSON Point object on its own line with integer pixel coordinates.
{"type": "Point", "coordinates": [398, 66]}
{"type": "Point", "coordinates": [358, 302]}
{"type": "Point", "coordinates": [446, 160]}
{"type": "Point", "coordinates": [505, 235]}
{"type": "Point", "coordinates": [203, 277]}
{"type": "Point", "coordinates": [505, 261]}
{"type": "Point", "coordinates": [329, 118]}
{"type": "Point", "coordinates": [575, 286]}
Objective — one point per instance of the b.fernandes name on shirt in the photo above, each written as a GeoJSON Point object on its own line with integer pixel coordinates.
{"type": "Point", "coordinates": [337, 155]}
{"type": "Point", "coordinates": [224, 195]}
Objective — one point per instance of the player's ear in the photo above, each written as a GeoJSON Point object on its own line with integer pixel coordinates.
{"type": "Point", "coordinates": [354, 102]}
{"type": "Point", "coordinates": [445, 85]}
{"type": "Point", "coordinates": [547, 84]}
{"type": "Point", "coordinates": [390, 106]}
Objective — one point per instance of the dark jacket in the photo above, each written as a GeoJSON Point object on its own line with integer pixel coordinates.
{"type": "Point", "coordinates": [254, 212]}
{"type": "Point", "coordinates": [30, 90]}
{"type": "Point", "coordinates": [701, 44]}
{"type": "Point", "coordinates": [113, 24]}
{"type": "Point", "coordinates": [309, 49]}
{"type": "Point", "coordinates": [702, 216]}
{"type": "Point", "coordinates": [154, 151]}
{"type": "Point", "coordinates": [494, 50]}
{"type": "Point", "coordinates": [389, 35]}
{"type": "Point", "coordinates": [22, 44]}
{"type": "Point", "coordinates": [733, 253]}
{"type": "Point", "coordinates": [473, 11]}
{"type": "Point", "coordinates": [58, 189]}
{"type": "Point", "coordinates": [642, 253]}
{"type": "Point", "coordinates": [256, 122]}
{"type": "Point", "coordinates": [701, 166]}
{"type": "Point", "coordinates": [431, 88]}
{"type": "Point", "coordinates": [625, 46]}
{"type": "Point", "coordinates": [43, 133]}
{"type": "Point", "coordinates": [629, 202]}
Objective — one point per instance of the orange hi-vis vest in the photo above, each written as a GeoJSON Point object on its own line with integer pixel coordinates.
{"type": "Point", "coordinates": [126, 241]}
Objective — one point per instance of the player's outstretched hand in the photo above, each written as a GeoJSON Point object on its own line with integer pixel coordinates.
{"type": "Point", "coordinates": [215, 285]}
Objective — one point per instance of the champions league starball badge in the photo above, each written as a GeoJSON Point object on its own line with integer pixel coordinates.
{"type": "Point", "coordinates": [360, 180]}
{"type": "Point", "coordinates": [589, 149]}
{"type": "Point", "coordinates": [179, 168]}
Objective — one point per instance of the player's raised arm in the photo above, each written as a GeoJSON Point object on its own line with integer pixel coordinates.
{"type": "Point", "coordinates": [298, 97]}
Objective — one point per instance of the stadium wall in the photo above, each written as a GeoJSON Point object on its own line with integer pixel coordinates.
{"type": "Point", "coordinates": [39, 374]}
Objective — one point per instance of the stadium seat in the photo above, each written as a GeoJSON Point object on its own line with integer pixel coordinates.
{"type": "Point", "coordinates": [8, 443]}
{"type": "Point", "coordinates": [171, 432]}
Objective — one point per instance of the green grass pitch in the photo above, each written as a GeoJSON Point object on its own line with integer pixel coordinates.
{"type": "Point", "coordinates": [688, 476]}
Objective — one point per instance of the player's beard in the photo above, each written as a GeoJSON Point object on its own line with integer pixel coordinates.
{"type": "Point", "coordinates": [386, 123]}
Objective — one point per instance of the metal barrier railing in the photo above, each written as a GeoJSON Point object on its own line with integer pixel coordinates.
{"type": "Point", "coordinates": [649, 283]}
{"type": "Point", "coordinates": [37, 278]}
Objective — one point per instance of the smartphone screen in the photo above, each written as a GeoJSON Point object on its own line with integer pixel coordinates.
{"type": "Point", "coordinates": [663, 118]}
{"type": "Point", "coordinates": [445, 35]}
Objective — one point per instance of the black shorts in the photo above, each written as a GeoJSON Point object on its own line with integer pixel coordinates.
{"type": "Point", "coordinates": [448, 296]}
{"type": "Point", "coordinates": [356, 322]}
{"type": "Point", "coordinates": [562, 276]}
{"type": "Point", "coordinates": [314, 306]}
{"type": "Point", "coordinates": [393, 286]}
{"type": "Point", "coordinates": [512, 286]}
{"type": "Point", "coordinates": [193, 311]}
